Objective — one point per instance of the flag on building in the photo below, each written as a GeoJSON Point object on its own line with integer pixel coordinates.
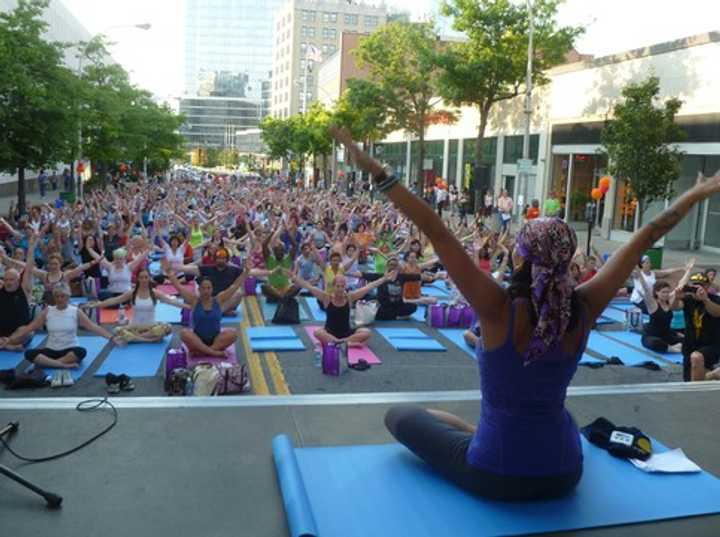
{"type": "Point", "coordinates": [313, 54]}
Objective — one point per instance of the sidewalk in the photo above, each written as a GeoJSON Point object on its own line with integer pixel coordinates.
{"type": "Point", "coordinates": [32, 198]}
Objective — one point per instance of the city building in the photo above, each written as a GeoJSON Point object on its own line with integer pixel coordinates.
{"type": "Point", "coordinates": [333, 74]}
{"type": "Point", "coordinates": [63, 27]}
{"type": "Point", "coordinates": [228, 68]}
{"type": "Point", "coordinates": [568, 118]}
{"type": "Point", "coordinates": [306, 32]}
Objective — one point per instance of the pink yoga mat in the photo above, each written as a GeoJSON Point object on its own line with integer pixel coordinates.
{"type": "Point", "coordinates": [355, 354]}
{"type": "Point", "coordinates": [169, 289]}
{"type": "Point", "coordinates": [230, 357]}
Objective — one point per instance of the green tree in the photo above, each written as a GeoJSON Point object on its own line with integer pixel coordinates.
{"type": "Point", "coordinates": [491, 65]}
{"type": "Point", "coordinates": [317, 120]}
{"type": "Point", "coordinates": [277, 135]}
{"type": "Point", "coordinates": [121, 122]}
{"type": "Point", "coordinates": [638, 142]}
{"type": "Point", "coordinates": [36, 107]}
{"type": "Point", "coordinates": [402, 61]}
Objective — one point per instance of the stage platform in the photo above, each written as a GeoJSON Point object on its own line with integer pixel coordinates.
{"type": "Point", "coordinates": [181, 467]}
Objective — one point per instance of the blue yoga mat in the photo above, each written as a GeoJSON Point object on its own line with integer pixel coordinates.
{"type": "Point", "coordinates": [635, 339]}
{"type": "Point", "coordinates": [268, 310]}
{"type": "Point", "coordinates": [429, 290]}
{"type": "Point", "coordinates": [271, 332]}
{"type": "Point", "coordinates": [397, 495]}
{"type": "Point", "coordinates": [315, 311]}
{"type": "Point", "coordinates": [135, 359]}
{"type": "Point", "coordinates": [94, 345]}
{"type": "Point", "coordinates": [416, 344]}
{"type": "Point", "coordinates": [587, 359]}
{"type": "Point", "coordinates": [420, 314]}
{"type": "Point", "coordinates": [609, 347]}
{"type": "Point", "coordinates": [614, 315]}
{"type": "Point", "coordinates": [232, 320]}
{"type": "Point", "coordinates": [402, 332]}
{"type": "Point", "coordinates": [11, 359]}
{"type": "Point", "coordinates": [456, 336]}
{"type": "Point", "coordinates": [260, 345]}
{"type": "Point", "coordinates": [165, 313]}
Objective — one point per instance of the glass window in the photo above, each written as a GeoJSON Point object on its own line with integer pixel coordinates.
{"type": "Point", "coordinates": [513, 148]}
{"type": "Point", "coordinates": [308, 16]}
{"type": "Point", "coordinates": [329, 33]}
{"type": "Point", "coordinates": [371, 20]}
{"type": "Point", "coordinates": [393, 155]}
{"type": "Point", "coordinates": [452, 161]}
{"type": "Point", "coordinates": [351, 18]}
{"type": "Point", "coordinates": [329, 16]}
{"type": "Point", "coordinates": [489, 157]}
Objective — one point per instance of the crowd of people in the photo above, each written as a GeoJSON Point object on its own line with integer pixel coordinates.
{"type": "Point", "coordinates": [535, 293]}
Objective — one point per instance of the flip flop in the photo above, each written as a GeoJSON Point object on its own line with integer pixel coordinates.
{"type": "Point", "coordinates": [126, 383]}
{"type": "Point", "coordinates": [361, 365]}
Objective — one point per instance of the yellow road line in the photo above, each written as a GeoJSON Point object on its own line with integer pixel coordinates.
{"type": "Point", "coordinates": [276, 373]}
{"type": "Point", "coordinates": [257, 377]}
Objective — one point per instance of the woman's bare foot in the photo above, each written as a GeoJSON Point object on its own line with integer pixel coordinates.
{"type": "Point", "coordinates": [713, 375]}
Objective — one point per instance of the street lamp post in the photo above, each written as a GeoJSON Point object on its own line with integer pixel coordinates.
{"type": "Point", "coordinates": [143, 26]}
{"type": "Point", "coordinates": [525, 172]}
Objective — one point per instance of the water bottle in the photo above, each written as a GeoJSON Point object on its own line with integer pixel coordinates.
{"type": "Point", "coordinates": [122, 318]}
{"type": "Point", "coordinates": [318, 357]}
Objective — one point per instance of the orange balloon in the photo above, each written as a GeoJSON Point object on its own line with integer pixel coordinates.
{"type": "Point", "coordinates": [596, 194]}
{"type": "Point", "coordinates": [604, 183]}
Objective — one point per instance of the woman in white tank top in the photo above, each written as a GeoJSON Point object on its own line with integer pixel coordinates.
{"type": "Point", "coordinates": [143, 326]}
{"type": "Point", "coordinates": [62, 349]}
{"type": "Point", "coordinates": [119, 272]}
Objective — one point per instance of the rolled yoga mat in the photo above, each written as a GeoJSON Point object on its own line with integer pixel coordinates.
{"type": "Point", "coordinates": [397, 495]}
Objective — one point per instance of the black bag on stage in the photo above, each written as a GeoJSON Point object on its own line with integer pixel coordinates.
{"type": "Point", "coordinates": [288, 312]}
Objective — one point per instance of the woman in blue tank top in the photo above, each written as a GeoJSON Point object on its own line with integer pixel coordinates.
{"type": "Point", "coordinates": [526, 445]}
{"type": "Point", "coordinates": [207, 337]}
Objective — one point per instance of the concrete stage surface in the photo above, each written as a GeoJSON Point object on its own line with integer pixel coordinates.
{"type": "Point", "coordinates": [203, 466]}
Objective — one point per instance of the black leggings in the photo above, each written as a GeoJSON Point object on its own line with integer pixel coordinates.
{"type": "Point", "coordinates": [660, 344]}
{"type": "Point", "coordinates": [31, 354]}
{"type": "Point", "coordinates": [443, 447]}
{"type": "Point", "coordinates": [392, 312]}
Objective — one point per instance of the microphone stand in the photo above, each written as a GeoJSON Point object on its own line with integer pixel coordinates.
{"type": "Point", "coordinates": [53, 500]}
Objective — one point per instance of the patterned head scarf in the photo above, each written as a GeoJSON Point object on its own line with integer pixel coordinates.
{"type": "Point", "coordinates": [549, 245]}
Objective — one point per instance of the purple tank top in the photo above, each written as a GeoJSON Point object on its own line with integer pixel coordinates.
{"type": "Point", "coordinates": [524, 428]}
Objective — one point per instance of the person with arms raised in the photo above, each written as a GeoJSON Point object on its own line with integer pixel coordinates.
{"type": "Point", "coordinates": [526, 445]}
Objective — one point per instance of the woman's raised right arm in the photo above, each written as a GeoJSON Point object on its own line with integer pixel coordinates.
{"type": "Point", "coordinates": [484, 294]}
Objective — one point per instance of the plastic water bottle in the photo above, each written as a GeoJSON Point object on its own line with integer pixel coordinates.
{"type": "Point", "coordinates": [318, 357]}
{"type": "Point", "coordinates": [122, 318]}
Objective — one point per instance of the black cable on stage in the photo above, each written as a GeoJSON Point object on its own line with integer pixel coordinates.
{"type": "Point", "coordinates": [88, 405]}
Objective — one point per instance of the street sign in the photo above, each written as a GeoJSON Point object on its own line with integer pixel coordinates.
{"type": "Point", "coordinates": [524, 165]}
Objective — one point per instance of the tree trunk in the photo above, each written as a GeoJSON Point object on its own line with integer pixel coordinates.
{"type": "Point", "coordinates": [420, 160]}
{"type": "Point", "coordinates": [21, 189]}
{"type": "Point", "coordinates": [475, 187]}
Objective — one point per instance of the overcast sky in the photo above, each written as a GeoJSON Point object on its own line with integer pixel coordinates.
{"type": "Point", "coordinates": [155, 61]}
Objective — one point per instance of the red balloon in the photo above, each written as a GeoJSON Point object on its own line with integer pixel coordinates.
{"type": "Point", "coordinates": [604, 189]}
{"type": "Point", "coordinates": [604, 183]}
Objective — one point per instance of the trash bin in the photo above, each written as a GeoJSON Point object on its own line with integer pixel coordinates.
{"type": "Point", "coordinates": [656, 257]}
{"type": "Point", "coordinates": [68, 197]}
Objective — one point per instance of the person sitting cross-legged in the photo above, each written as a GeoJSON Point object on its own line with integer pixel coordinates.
{"type": "Point", "coordinates": [62, 349]}
{"type": "Point", "coordinates": [277, 262]}
{"type": "Point", "coordinates": [207, 337]}
{"type": "Point", "coordinates": [338, 302]}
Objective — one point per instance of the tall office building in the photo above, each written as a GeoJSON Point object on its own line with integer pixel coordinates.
{"type": "Point", "coordinates": [309, 31]}
{"type": "Point", "coordinates": [228, 68]}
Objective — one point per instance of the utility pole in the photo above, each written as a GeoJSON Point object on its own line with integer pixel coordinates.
{"type": "Point", "coordinates": [525, 172]}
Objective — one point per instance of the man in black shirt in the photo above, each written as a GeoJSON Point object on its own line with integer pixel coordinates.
{"type": "Point", "coordinates": [701, 346]}
{"type": "Point", "coordinates": [390, 293]}
{"type": "Point", "coordinates": [221, 275]}
{"type": "Point", "coordinates": [15, 296]}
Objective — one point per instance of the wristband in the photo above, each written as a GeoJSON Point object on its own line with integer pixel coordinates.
{"type": "Point", "coordinates": [387, 184]}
